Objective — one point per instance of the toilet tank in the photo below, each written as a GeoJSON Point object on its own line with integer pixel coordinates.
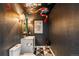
{"type": "Point", "coordinates": [15, 50]}
{"type": "Point", "coordinates": [28, 44]}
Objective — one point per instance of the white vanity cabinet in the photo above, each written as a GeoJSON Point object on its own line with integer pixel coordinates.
{"type": "Point", "coordinates": [28, 44]}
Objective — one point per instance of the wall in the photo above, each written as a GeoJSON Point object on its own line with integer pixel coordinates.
{"type": "Point", "coordinates": [8, 30]}
{"type": "Point", "coordinates": [64, 29]}
{"type": "Point", "coordinates": [41, 38]}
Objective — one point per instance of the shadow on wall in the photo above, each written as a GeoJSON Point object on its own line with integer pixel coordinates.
{"type": "Point", "coordinates": [64, 29]}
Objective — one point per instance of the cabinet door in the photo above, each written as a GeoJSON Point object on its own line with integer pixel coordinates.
{"type": "Point", "coordinates": [27, 45]}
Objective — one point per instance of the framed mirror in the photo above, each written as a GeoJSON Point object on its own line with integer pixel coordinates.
{"type": "Point", "coordinates": [38, 26]}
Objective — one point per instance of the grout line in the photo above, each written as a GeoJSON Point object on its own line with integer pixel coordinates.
{"type": "Point", "coordinates": [52, 52]}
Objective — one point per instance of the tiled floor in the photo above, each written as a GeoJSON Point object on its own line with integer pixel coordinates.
{"type": "Point", "coordinates": [43, 51]}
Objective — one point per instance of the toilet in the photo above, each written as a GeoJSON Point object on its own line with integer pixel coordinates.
{"type": "Point", "coordinates": [15, 50]}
